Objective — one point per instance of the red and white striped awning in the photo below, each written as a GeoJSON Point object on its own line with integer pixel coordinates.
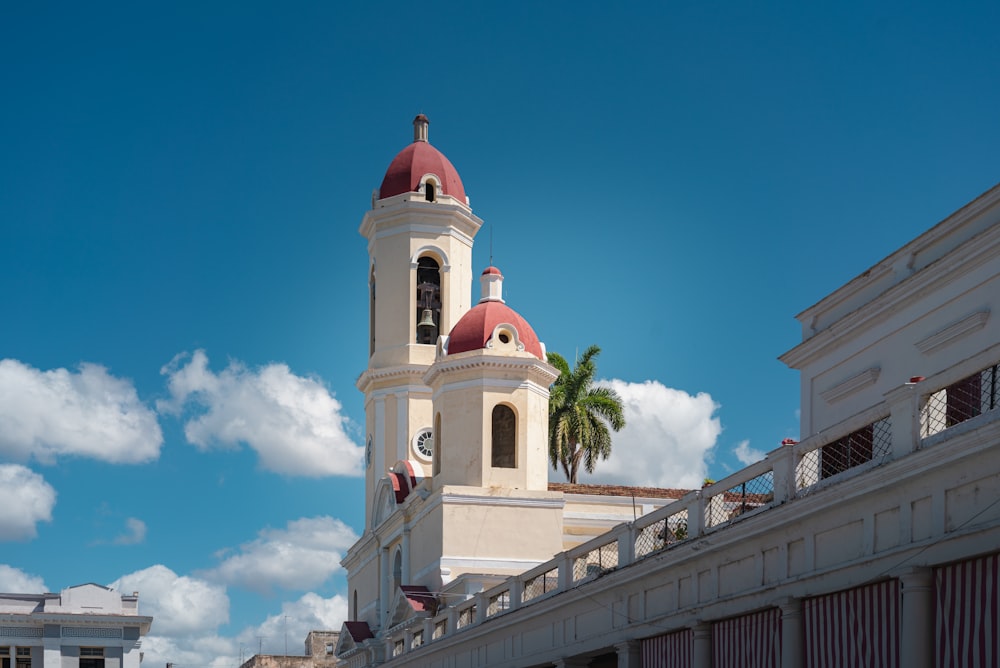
{"type": "Point", "coordinates": [671, 650]}
{"type": "Point", "coordinates": [857, 627]}
{"type": "Point", "coordinates": [750, 641]}
{"type": "Point", "coordinates": [968, 613]}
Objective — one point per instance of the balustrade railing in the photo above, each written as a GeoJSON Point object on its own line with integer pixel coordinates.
{"type": "Point", "coordinates": [789, 472]}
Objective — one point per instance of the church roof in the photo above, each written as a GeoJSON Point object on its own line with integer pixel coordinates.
{"type": "Point", "coordinates": [416, 160]}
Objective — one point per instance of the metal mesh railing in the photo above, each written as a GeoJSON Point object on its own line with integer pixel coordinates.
{"type": "Point", "coordinates": [595, 562]}
{"type": "Point", "coordinates": [540, 584]}
{"type": "Point", "coordinates": [498, 603]}
{"type": "Point", "coordinates": [418, 639]}
{"type": "Point", "coordinates": [961, 401]}
{"type": "Point", "coordinates": [873, 442]}
{"type": "Point", "coordinates": [661, 534]}
{"type": "Point", "coordinates": [466, 617]}
{"type": "Point", "coordinates": [740, 499]}
{"type": "Point", "coordinates": [440, 629]}
{"type": "Point", "coordinates": [397, 648]}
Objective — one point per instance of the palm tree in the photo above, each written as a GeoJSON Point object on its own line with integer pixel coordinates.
{"type": "Point", "coordinates": [580, 414]}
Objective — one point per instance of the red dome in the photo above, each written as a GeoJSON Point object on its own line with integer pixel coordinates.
{"type": "Point", "coordinates": [410, 165]}
{"type": "Point", "coordinates": [476, 327]}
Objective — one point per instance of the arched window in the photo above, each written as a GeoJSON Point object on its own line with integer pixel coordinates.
{"type": "Point", "coordinates": [504, 434]}
{"type": "Point", "coordinates": [397, 571]}
{"type": "Point", "coordinates": [428, 304]}
{"type": "Point", "coordinates": [436, 467]}
{"type": "Point", "coordinates": [430, 191]}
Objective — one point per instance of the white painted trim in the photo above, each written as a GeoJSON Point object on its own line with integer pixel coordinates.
{"type": "Point", "coordinates": [855, 383]}
{"type": "Point", "coordinates": [953, 332]}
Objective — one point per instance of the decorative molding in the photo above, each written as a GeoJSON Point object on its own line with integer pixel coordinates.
{"type": "Point", "coordinates": [851, 385]}
{"type": "Point", "coordinates": [953, 332]}
{"type": "Point", "coordinates": [20, 632]}
{"type": "Point", "coordinates": [90, 632]}
{"type": "Point", "coordinates": [515, 502]}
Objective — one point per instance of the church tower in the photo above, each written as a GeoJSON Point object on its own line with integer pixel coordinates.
{"type": "Point", "coordinates": [456, 410]}
{"type": "Point", "coordinates": [420, 231]}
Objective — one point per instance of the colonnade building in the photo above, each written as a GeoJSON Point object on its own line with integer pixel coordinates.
{"type": "Point", "coordinates": [872, 541]}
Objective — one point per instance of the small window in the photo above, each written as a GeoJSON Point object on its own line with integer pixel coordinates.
{"type": "Point", "coordinates": [329, 648]}
{"type": "Point", "coordinates": [430, 191]}
{"type": "Point", "coordinates": [91, 657]}
{"type": "Point", "coordinates": [504, 432]}
{"type": "Point", "coordinates": [423, 443]}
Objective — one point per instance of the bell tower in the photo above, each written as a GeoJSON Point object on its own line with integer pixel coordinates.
{"type": "Point", "coordinates": [420, 231]}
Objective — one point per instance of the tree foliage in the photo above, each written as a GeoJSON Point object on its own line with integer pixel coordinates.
{"type": "Point", "coordinates": [580, 415]}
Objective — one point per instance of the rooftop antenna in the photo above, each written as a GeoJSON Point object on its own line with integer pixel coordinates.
{"type": "Point", "coordinates": [491, 244]}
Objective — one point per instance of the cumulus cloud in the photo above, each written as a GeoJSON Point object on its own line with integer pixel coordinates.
{"type": "Point", "coordinates": [301, 556]}
{"type": "Point", "coordinates": [90, 413]}
{"type": "Point", "coordinates": [667, 436]}
{"type": "Point", "coordinates": [209, 649]}
{"type": "Point", "coordinates": [17, 581]}
{"type": "Point", "coordinates": [296, 620]}
{"type": "Point", "coordinates": [293, 423]}
{"type": "Point", "coordinates": [746, 454]}
{"type": "Point", "coordinates": [180, 605]}
{"type": "Point", "coordinates": [135, 532]}
{"type": "Point", "coordinates": [27, 500]}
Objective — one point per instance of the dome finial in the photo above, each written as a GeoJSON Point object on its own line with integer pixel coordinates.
{"type": "Point", "coordinates": [420, 124]}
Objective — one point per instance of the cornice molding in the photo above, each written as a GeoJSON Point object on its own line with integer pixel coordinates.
{"type": "Point", "coordinates": [527, 365]}
{"type": "Point", "coordinates": [411, 373]}
{"type": "Point", "coordinates": [968, 257]}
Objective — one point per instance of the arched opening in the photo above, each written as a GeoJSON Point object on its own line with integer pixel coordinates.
{"type": "Point", "coordinates": [428, 301]}
{"type": "Point", "coordinates": [504, 437]}
{"type": "Point", "coordinates": [397, 571]}
{"type": "Point", "coordinates": [354, 607]}
{"type": "Point", "coordinates": [430, 191]}
{"type": "Point", "coordinates": [436, 467]}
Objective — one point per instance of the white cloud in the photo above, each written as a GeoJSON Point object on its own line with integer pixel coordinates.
{"type": "Point", "coordinates": [135, 532]}
{"type": "Point", "coordinates": [210, 650]}
{"type": "Point", "coordinates": [293, 423]}
{"type": "Point", "coordinates": [296, 620]}
{"type": "Point", "coordinates": [46, 414]}
{"type": "Point", "coordinates": [301, 556]}
{"type": "Point", "coordinates": [667, 436]}
{"type": "Point", "coordinates": [15, 580]}
{"type": "Point", "coordinates": [746, 454]}
{"type": "Point", "coordinates": [27, 500]}
{"type": "Point", "coordinates": [180, 605]}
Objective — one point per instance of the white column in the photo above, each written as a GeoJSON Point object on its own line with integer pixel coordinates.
{"type": "Point", "coordinates": [629, 654]}
{"type": "Point", "coordinates": [383, 589]}
{"type": "Point", "coordinates": [378, 460]}
{"type": "Point", "coordinates": [405, 574]}
{"type": "Point", "coordinates": [402, 426]}
{"type": "Point", "coordinates": [702, 654]}
{"type": "Point", "coordinates": [792, 639]}
{"type": "Point", "coordinates": [916, 628]}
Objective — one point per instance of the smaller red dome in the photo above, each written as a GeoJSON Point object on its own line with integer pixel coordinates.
{"type": "Point", "coordinates": [476, 327]}
{"type": "Point", "coordinates": [491, 270]}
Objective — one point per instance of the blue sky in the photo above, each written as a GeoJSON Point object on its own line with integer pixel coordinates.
{"type": "Point", "coordinates": [185, 291]}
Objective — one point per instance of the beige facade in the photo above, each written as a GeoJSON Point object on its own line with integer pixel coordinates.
{"type": "Point", "coordinates": [854, 546]}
